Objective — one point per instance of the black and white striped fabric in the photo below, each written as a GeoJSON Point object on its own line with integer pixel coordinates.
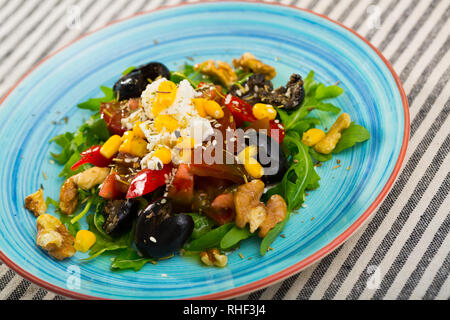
{"type": "Point", "coordinates": [403, 252]}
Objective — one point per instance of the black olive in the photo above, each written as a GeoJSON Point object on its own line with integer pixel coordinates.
{"type": "Point", "coordinates": [270, 155]}
{"type": "Point", "coordinates": [259, 90]}
{"type": "Point", "coordinates": [292, 95]}
{"type": "Point", "coordinates": [133, 83]}
{"type": "Point", "coordinates": [119, 216]}
{"type": "Point", "coordinates": [256, 89]}
{"type": "Point", "coordinates": [158, 233]}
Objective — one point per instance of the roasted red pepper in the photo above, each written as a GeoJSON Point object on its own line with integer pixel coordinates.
{"type": "Point", "coordinates": [92, 156]}
{"type": "Point", "coordinates": [147, 181]}
{"type": "Point", "coordinates": [241, 110]}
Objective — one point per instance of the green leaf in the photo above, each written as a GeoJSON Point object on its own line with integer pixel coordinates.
{"type": "Point", "coordinates": [272, 235]}
{"type": "Point", "coordinates": [65, 219]}
{"type": "Point", "coordinates": [129, 259]}
{"type": "Point", "coordinates": [320, 156]}
{"type": "Point", "coordinates": [234, 236]}
{"type": "Point", "coordinates": [353, 134]}
{"type": "Point", "coordinates": [93, 132]}
{"type": "Point", "coordinates": [94, 103]}
{"type": "Point", "coordinates": [323, 92]}
{"type": "Point", "coordinates": [327, 107]}
{"type": "Point", "coordinates": [128, 70]}
{"type": "Point", "coordinates": [209, 240]}
{"type": "Point", "coordinates": [104, 244]}
{"type": "Point", "coordinates": [202, 225]}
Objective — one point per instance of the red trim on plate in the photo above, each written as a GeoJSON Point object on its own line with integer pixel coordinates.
{"type": "Point", "coordinates": [288, 271]}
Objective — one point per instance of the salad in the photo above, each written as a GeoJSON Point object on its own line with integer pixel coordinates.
{"type": "Point", "coordinates": [190, 162]}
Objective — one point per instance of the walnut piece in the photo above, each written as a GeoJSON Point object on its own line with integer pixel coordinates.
{"type": "Point", "coordinates": [249, 63]}
{"type": "Point", "coordinates": [54, 237]}
{"type": "Point", "coordinates": [249, 208]}
{"type": "Point", "coordinates": [222, 72]}
{"type": "Point", "coordinates": [68, 196]}
{"type": "Point", "coordinates": [214, 258]}
{"type": "Point", "coordinates": [276, 212]}
{"type": "Point", "coordinates": [35, 203]}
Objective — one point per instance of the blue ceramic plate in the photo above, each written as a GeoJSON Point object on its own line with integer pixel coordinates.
{"type": "Point", "coordinates": [291, 40]}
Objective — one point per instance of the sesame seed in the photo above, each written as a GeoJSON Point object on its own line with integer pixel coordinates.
{"type": "Point", "coordinates": [152, 239]}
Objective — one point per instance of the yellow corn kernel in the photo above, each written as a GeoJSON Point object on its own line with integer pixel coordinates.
{"type": "Point", "coordinates": [251, 165]}
{"type": "Point", "coordinates": [199, 104]}
{"type": "Point", "coordinates": [254, 169]}
{"type": "Point", "coordinates": [111, 146]}
{"type": "Point", "coordinates": [327, 144]}
{"type": "Point", "coordinates": [163, 154]}
{"type": "Point", "coordinates": [165, 96]}
{"type": "Point", "coordinates": [247, 154]}
{"type": "Point", "coordinates": [133, 145]}
{"type": "Point", "coordinates": [137, 130]}
{"type": "Point", "coordinates": [262, 111]}
{"type": "Point", "coordinates": [166, 122]}
{"type": "Point", "coordinates": [214, 109]}
{"type": "Point", "coordinates": [84, 240]}
{"type": "Point", "coordinates": [185, 143]}
{"type": "Point", "coordinates": [312, 136]}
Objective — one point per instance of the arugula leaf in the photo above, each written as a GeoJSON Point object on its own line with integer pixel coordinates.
{"type": "Point", "coordinates": [273, 234]}
{"type": "Point", "coordinates": [202, 225]}
{"type": "Point", "coordinates": [129, 259]}
{"type": "Point", "coordinates": [94, 103]}
{"type": "Point", "coordinates": [104, 244]}
{"type": "Point", "coordinates": [73, 228]}
{"type": "Point", "coordinates": [187, 73]}
{"type": "Point", "coordinates": [315, 93]}
{"type": "Point", "coordinates": [128, 70]}
{"type": "Point", "coordinates": [299, 177]}
{"type": "Point", "coordinates": [93, 132]}
{"type": "Point", "coordinates": [323, 92]}
{"type": "Point", "coordinates": [209, 240]}
{"type": "Point", "coordinates": [320, 156]}
{"type": "Point", "coordinates": [353, 134]}
{"type": "Point", "coordinates": [234, 236]}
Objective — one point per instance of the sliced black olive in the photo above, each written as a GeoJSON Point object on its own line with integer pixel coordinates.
{"type": "Point", "coordinates": [270, 155]}
{"type": "Point", "coordinates": [291, 96]}
{"type": "Point", "coordinates": [255, 90]}
{"type": "Point", "coordinates": [119, 216]}
{"type": "Point", "coordinates": [158, 233]}
{"type": "Point", "coordinates": [259, 90]}
{"type": "Point", "coordinates": [132, 84]}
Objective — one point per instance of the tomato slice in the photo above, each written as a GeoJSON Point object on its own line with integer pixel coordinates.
{"type": "Point", "coordinates": [147, 181]}
{"type": "Point", "coordinates": [92, 156]}
{"type": "Point", "coordinates": [113, 115]}
{"type": "Point", "coordinates": [222, 209]}
{"type": "Point", "coordinates": [241, 110]}
{"type": "Point", "coordinates": [220, 171]}
{"type": "Point", "coordinates": [111, 188]}
{"type": "Point", "coordinates": [182, 189]}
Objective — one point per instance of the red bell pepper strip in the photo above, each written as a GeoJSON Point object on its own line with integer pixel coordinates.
{"type": "Point", "coordinates": [147, 181]}
{"type": "Point", "coordinates": [92, 156]}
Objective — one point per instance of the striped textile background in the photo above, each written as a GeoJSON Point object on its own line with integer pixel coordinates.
{"type": "Point", "coordinates": [403, 252]}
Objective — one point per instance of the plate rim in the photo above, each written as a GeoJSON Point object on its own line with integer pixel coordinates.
{"type": "Point", "coordinates": [297, 267]}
